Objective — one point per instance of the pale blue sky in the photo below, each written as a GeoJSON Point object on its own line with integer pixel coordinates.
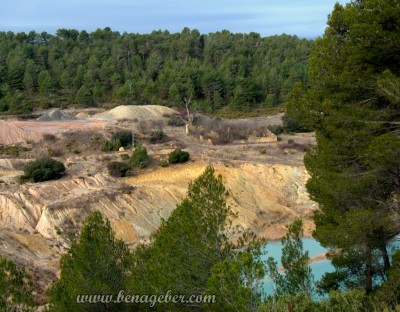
{"type": "Point", "coordinates": [306, 18]}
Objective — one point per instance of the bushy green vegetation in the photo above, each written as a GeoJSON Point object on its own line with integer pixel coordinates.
{"type": "Point", "coordinates": [119, 169]}
{"type": "Point", "coordinates": [121, 138]}
{"type": "Point", "coordinates": [352, 300]}
{"type": "Point", "coordinates": [242, 71]}
{"type": "Point", "coordinates": [139, 157]}
{"type": "Point", "coordinates": [109, 146]}
{"type": "Point", "coordinates": [291, 125]}
{"type": "Point", "coordinates": [16, 287]}
{"type": "Point", "coordinates": [43, 169]}
{"type": "Point", "coordinates": [178, 156]}
{"type": "Point", "coordinates": [164, 163]}
{"type": "Point", "coordinates": [96, 263]}
{"type": "Point", "coordinates": [190, 254]}
{"type": "Point", "coordinates": [352, 101]}
{"type": "Point", "coordinates": [297, 277]}
{"type": "Point", "coordinates": [124, 137]}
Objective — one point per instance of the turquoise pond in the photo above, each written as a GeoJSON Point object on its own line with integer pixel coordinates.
{"type": "Point", "coordinates": [274, 250]}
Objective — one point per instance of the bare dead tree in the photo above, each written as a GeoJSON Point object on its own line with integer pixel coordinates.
{"type": "Point", "coordinates": [189, 116]}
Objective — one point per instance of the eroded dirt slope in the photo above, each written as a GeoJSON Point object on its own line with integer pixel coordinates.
{"type": "Point", "coordinates": [266, 183]}
{"type": "Point", "coordinates": [37, 219]}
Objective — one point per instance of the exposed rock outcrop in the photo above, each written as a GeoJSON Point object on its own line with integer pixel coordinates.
{"type": "Point", "coordinates": [55, 115]}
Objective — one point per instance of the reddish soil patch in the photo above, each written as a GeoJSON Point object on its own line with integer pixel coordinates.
{"type": "Point", "coordinates": [60, 126]}
{"type": "Point", "coordinates": [11, 134]}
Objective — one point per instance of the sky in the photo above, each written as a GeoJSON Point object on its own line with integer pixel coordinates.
{"type": "Point", "coordinates": [306, 18]}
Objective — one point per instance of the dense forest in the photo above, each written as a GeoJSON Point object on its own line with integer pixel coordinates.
{"type": "Point", "coordinates": [242, 71]}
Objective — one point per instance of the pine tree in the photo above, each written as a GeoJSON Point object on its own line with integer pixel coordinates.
{"type": "Point", "coordinates": [96, 264]}
{"type": "Point", "coordinates": [351, 102]}
{"type": "Point", "coordinates": [297, 277]}
{"type": "Point", "coordinates": [16, 287]}
{"type": "Point", "coordinates": [191, 254]}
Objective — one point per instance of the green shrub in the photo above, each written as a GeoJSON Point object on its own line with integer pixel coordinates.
{"type": "Point", "coordinates": [139, 157]}
{"type": "Point", "coordinates": [106, 146]}
{"type": "Point", "coordinates": [276, 129]}
{"type": "Point", "coordinates": [124, 137]}
{"type": "Point", "coordinates": [109, 146]}
{"type": "Point", "coordinates": [290, 124]}
{"type": "Point", "coordinates": [42, 169]}
{"type": "Point", "coordinates": [119, 139]}
{"type": "Point", "coordinates": [178, 156]}
{"type": "Point", "coordinates": [118, 169]}
{"type": "Point", "coordinates": [157, 136]}
{"type": "Point", "coordinates": [164, 163]}
{"type": "Point", "coordinates": [16, 287]}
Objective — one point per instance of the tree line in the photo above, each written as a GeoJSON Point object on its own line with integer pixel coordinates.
{"type": "Point", "coordinates": [215, 70]}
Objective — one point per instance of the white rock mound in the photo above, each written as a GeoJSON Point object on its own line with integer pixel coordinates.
{"type": "Point", "coordinates": [144, 112]}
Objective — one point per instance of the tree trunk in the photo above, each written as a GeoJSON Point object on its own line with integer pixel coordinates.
{"type": "Point", "coordinates": [368, 269]}
{"type": "Point", "coordinates": [385, 256]}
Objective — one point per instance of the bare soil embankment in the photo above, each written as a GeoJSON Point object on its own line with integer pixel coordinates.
{"type": "Point", "coordinates": [265, 181]}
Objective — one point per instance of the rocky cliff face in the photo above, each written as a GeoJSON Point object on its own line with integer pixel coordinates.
{"type": "Point", "coordinates": [37, 219]}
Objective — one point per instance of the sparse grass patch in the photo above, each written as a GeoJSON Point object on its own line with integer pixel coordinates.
{"type": "Point", "coordinates": [228, 113]}
{"type": "Point", "coordinates": [124, 156]}
{"type": "Point", "coordinates": [295, 146]}
{"type": "Point", "coordinates": [55, 152]}
{"type": "Point", "coordinates": [9, 150]}
{"type": "Point", "coordinates": [175, 121]}
{"type": "Point", "coordinates": [104, 158]}
{"type": "Point", "coordinates": [157, 136]}
{"type": "Point", "coordinates": [127, 189]}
